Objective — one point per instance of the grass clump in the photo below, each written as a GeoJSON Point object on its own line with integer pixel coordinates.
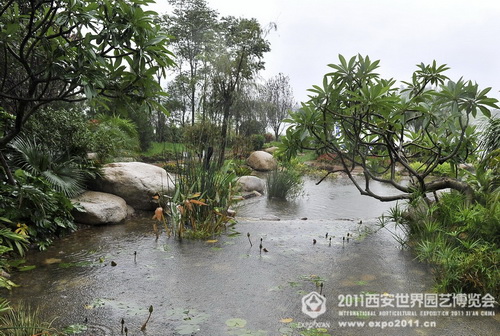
{"type": "Point", "coordinates": [458, 238]}
{"type": "Point", "coordinates": [284, 183]}
{"type": "Point", "coordinates": [24, 320]}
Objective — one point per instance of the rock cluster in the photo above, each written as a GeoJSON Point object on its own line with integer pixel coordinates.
{"type": "Point", "coordinates": [121, 186]}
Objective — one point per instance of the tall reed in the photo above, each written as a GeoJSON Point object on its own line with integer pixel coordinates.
{"type": "Point", "coordinates": [284, 183]}
{"type": "Point", "coordinates": [203, 194]}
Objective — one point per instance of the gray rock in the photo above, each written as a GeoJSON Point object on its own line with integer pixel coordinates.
{"type": "Point", "coordinates": [135, 182]}
{"type": "Point", "coordinates": [262, 161]}
{"type": "Point", "coordinates": [100, 208]}
{"type": "Point", "coordinates": [270, 218]}
{"type": "Point", "coordinates": [252, 183]}
{"type": "Point", "coordinates": [271, 150]}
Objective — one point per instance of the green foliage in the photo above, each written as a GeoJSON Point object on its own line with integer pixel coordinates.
{"type": "Point", "coordinates": [4, 306]}
{"type": "Point", "coordinates": [444, 169]}
{"type": "Point", "coordinates": [163, 151]}
{"type": "Point", "coordinates": [62, 129]}
{"type": "Point", "coordinates": [459, 238]}
{"type": "Point", "coordinates": [257, 141]}
{"type": "Point", "coordinates": [363, 118]}
{"type": "Point", "coordinates": [10, 242]}
{"type": "Point", "coordinates": [240, 168]}
{"type": "Point", "coordinates": [201, 199]}
{"type": "Point", "coordinates": [252, 126]}
{"type": "Point", "coordinates": [284, 183]}
{"type": "Point", "coordinates": [24, 320]}
{"type": "Point", "coordinates": [114, 136]}
{"type": "Point", "coordinates": [241, 146]}
{"type": "Point", "coordinates": [63, 174]}
{"type": "Point", "coordinates": [109, 52]}
{"type": "Point", "coordinates": [489, 140]}
{"type": "Point", "coordinates": [200, 136]}
{"type": "Point", "coordinates": [33, 203]}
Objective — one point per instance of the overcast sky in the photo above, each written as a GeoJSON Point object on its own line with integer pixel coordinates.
{"type": "Point", "coordinates": [463, 34]}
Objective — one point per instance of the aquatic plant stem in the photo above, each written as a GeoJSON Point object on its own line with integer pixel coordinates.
{"type": "Point", "coordinates": [149, 316]}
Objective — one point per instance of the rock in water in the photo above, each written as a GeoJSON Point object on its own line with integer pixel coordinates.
{"type": "Point", "coordinates": [252, 183]}
{"type": "Point", "coordinates": [135, 182]}
{"type": "Point", "coordinates": [100, 208]}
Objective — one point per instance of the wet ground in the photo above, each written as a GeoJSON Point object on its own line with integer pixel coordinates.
{"type": "Point", "coordinates": [224, 286]}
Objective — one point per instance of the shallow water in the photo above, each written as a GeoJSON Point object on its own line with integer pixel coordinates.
{"type": "Point", "coordinates": [225, 286]}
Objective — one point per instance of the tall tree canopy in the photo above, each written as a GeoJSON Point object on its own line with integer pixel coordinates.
{"type": "Point", "coordinates": [192, 26]}
{"type": "Point", "coordinates": [60, 50]}
{"type": "Point", "coordinates": [239, 56]}
{"type": "Point", "coordinates": [278, 97]}
{"type": "Point", "coordinates": [367, 122]}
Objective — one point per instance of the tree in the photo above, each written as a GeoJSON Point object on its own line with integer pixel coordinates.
{"type": "Point", "coordinates": [367, 122]}
{"type": "Point", "coordinates": [69, 51]}
{"type": "Point", "coordinates": [248, 112]}
{"type": "Point", "coordinates": [192, 27]}
{"type": "Point", "coordinates": [241, 47]}
{"type": "Point", "coordinates": [278, 95]}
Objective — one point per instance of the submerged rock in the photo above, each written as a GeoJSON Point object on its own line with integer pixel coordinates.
{"type": "Point", "coordinates": [135, 182]}
{"type": "Point", "coordinates": [262, 161]}
{"type": "Point", "coordinates": [100, 208]}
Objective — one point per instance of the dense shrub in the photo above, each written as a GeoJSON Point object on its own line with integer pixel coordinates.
{"type": "Point", "coordinates": [257, 141]}
{"type": "Point", "coordinates": [269, 137]}
{"type": "Point", "coordinates": [113, 137]}
{"type": "Point", "coordinates": [61, 129]}
{"type": "Point", "coordinates": [444, 169]}
{"type": "Point", "coordinates": [459, 238]}
{"type": "Point", "coordinates": [34, 208]}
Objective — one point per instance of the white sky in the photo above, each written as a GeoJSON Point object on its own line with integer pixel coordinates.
{"type": "Point", "coordinates": [464, 34]}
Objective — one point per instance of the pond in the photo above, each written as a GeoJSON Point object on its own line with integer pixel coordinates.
{"type": "Point", "coordinates": [98, 276]}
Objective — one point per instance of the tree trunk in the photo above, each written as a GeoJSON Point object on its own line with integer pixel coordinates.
{"type": "Point", "coordinates": [224, 127]}
{"type": "Point", "coordinates": [6, 168]}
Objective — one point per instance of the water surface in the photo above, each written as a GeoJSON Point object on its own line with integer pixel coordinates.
{"type": "Point", "coordinates": [224, 286]}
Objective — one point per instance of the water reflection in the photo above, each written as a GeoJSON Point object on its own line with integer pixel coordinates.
{"type": "Point", "coordinates": [331, 199]}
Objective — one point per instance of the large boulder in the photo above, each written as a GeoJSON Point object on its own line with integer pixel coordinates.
{"type": "Point", "coordinates": [262, 161]}
{"type": "Point", "coordinates": [252, 183]}
{"type": "Point", "coordinates": [100, 208]}
{"type": "Point", "coordinates": [135, 182]}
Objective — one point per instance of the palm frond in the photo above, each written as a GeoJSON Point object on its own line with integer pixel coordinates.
{"type": "Point", "coordinates": [63, 174]}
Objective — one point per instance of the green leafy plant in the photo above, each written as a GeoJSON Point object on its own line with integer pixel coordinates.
{"type": "Point", "coordinates": [459, 239]}
{"type": "Point", "coordinates": [362, 117]}
{"type": "Point", "coordinates": [284, 183]}
{"type": "Point", "coordinates": [114, 136]}
{"type": "Point", "coordinates": [258, 141]}
{"type": "Point", "coordinates": [63, 174]}
{"type": "Point", "coordinates": [201, 199]}
{"type": "Point", "coordinates": [41, 212]}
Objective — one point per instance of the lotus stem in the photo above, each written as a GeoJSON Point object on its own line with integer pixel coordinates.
{"type": "Point", "coordinates": [149, 316]}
